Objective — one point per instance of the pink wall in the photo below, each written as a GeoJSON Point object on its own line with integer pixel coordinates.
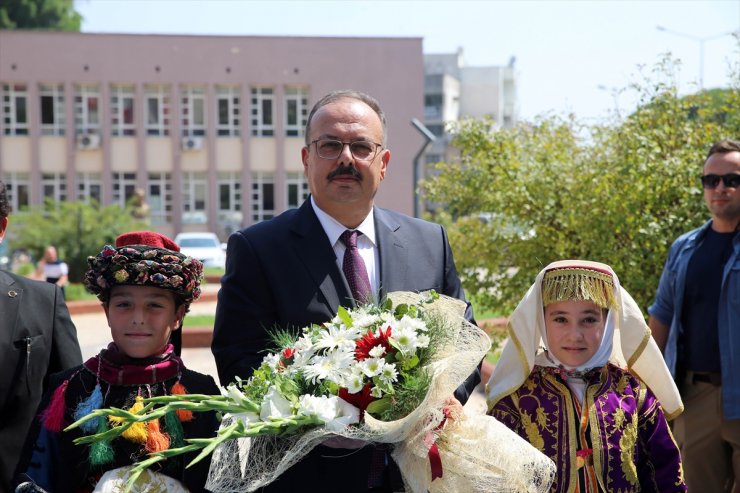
{"type": "Point", "coordinates": [390, 69]}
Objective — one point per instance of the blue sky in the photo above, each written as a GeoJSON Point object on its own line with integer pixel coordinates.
{"type": "Point", "coordinates": [571, 55]}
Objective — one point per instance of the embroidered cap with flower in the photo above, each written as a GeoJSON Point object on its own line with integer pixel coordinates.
{"type": "Point", "coordinates": [144, 258]}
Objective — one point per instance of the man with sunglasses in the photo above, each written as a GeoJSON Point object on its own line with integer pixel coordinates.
{"type": "Point", "coordinates": [695, 319]}
{"type": "Point", "coordinates": [291, 272]}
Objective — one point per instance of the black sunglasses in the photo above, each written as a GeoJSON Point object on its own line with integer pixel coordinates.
{"type": "Point", "coordinates": [731, 180]}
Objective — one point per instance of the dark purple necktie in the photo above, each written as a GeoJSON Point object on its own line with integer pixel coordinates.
{"type": "Point", "coordinates": [354, 268]}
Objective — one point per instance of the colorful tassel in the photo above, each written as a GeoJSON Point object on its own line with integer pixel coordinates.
{"type": "Point", "coordinates": [86, 406]}
{"type": "Point", "coordinates": [156, 441]}
{"type": "Point", "coordinates": [174, 430]}
{"type": "Point", "coordinates": [185, 415]}
{"type": "Point", "coordinates": [53, 416]}
{"type": "Point", "coordinates": [101, 453]}
{"type": "Point", "coordinates": [136, 432]}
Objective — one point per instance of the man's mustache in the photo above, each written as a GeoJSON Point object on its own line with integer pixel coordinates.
{"type": "Point", "coordinates": [345, 170]}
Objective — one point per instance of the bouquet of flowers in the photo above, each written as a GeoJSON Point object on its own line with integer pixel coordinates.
{"type": "Point", "coordinates": [378, 373]}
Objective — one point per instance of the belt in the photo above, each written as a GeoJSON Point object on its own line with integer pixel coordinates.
{"type": "Point", "coordinates": [710, 378]}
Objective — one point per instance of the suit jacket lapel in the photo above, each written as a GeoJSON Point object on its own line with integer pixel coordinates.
{"type": "Point", "coordinates": [10, 301]}
{"type": "Point", "coordinates": [392, 252]}
{"type": "Point", "coordinates": [312, 247]}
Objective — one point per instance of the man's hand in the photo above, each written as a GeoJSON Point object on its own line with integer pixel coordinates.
{"type": "Point", "coordinates": [453, 408]}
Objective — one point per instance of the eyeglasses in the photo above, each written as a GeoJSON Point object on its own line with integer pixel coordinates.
{"type": "Point", "coordinates": [731, 180]}
{"type": "Point", "coordinates": [362, 150]}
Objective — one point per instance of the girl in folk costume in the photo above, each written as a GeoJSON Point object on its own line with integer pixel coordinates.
{"type": "Point", "coordinates": [582, 380]}
{"type": "Point", "coordinates": [146, 286]}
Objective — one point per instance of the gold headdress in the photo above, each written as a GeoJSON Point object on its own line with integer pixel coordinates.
{"type": "Point", "coordinates": [578, 283]}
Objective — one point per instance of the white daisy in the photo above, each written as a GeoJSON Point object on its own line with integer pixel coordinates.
{"type": "Point", "coordinates": [272, 360]}
{"type": "Point", "coordinates": [377, 351]}
{"type": "Point", "coordinates": [371, 366]}
{"type": "Point", "coordinates": [355, 381]}
{"type": "Point", "coordinates": [329, 366]}
{"type": "Point", "coordinates": [337, 337]}
{"type": "Point", "coordinates": [405, 339]}
{"type": "Point", "coordinates": [388, 374]}
{"type": "Point", "coordinates": [376, 392]}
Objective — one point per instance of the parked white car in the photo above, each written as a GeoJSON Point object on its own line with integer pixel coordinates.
{"type": "Point", "coordinates": [206, 247]}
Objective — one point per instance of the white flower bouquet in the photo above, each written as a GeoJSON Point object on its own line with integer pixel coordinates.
{"type": "Point", "coordinates": [378, 373]}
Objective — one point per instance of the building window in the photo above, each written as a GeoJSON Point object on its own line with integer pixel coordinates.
{"type": "Point", "coordinates": [87, 110]}
{"type": "Point", "coordinates": [124, 186]}
{"type": "Point", "coordinates": [15, 109]}
{"type": "Point", "coordinates": [263, 112]}
{"type": "Point", "coordinates": [194, 198]}
{"type": "Point", "coordinates": [54, 186]}
{"type": "Point", "coordinates": [229, 201]}
{"type": "Point", "coordinates": [18, 187]}
{"type": "Point", "coordinates": [89, 187]}
{"type": "Point", "coordinates": [193, 109]}
{"type": "Point", "coordinates": [296, 111]}
{"type": "Point", "coordinates": [296, 188]}
{"type": "Point", "coordinates": [122, 110]}
{"type": "Point", "coordinates": [433, 158]}
{"type": "Point", "coordinates": [433, 106]}
{"type": "Point", "coordinates": [52, 109]}
{"type": "Point", "coordinates": [437, 129]}
{"type": "Point", "coordinates": [157, 110]}
{"type": "Point", "coordinates": [159, 197]}
{"type": "Point", "coordinates": [263, 196]}
{"type": "Point", "coordinates": [228, 117]}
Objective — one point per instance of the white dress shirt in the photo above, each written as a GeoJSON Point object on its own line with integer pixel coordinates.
{"type": "Point", "coordinates": [366, 244]}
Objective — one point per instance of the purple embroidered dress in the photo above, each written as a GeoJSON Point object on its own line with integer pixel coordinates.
{"type": "Point", "coordinates": [618, 442]}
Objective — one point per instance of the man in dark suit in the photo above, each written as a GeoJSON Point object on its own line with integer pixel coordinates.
{"type": "Point", "coordinates": [287, 272]}
{"type": "Point", "coordinates": [37, 338]}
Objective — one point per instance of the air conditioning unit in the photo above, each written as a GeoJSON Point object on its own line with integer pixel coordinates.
{"type": "Point", "coordinates": [88, 141]}
{"type": "Point", "coordinates": [192, 143]}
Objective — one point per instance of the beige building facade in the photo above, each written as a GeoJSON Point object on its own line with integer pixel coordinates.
{"type": "Point", "coordinates": [209, 127]}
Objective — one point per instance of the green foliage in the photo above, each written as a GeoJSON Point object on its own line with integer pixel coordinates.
{"type": "Point", "coordinates": [53, 15]}
{"type": "Point", "coordinates": [77, 292]}
{"type": "Point", "coordinates": [199, 321]}
{"type": "Point", "coordinates": [26, 269]}
{"type": "Point", "coordinates": [78, 230]}
{"type": "Point", "coordinates": [555, 189]}
{"type": "Point", "coordinates": [410, 391]}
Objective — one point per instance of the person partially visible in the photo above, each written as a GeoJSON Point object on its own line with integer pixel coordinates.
{"type": "Point", "coordinates": [146, 286]}
{"type": "Point", "coordinates": [52, 269]}
{"type": "Point", "coordinates": [139, 206]}
{"type": "Point", "coordinates": [582, 380]}
{"type": "Point", "coordinates": [37, 338]}
{"type": "Point", "coordinates": [695, 319]}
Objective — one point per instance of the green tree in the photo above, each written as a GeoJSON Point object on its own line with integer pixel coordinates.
{"type": "Point", "coordinates": [553, 189]}
{"type": "Point", "coordinates": [78, 230]}
{"type": "Point", "coordinates": [54, 15]}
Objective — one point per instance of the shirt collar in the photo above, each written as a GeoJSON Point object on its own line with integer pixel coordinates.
{"type": "Point", "coordinates": [334, 228]}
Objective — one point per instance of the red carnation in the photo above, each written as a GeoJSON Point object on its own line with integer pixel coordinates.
{"type": "Point", "coordinates": [286, 357]}
{"type": "Point", "coordinates": [369, 341]}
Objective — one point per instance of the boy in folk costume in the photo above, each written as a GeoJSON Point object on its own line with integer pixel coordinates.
{"type": "Point", "coordinates": [582, 380]}
{"type": "Point", "coordinates": [146, 286]}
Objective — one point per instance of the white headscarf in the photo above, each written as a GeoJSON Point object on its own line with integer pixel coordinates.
{"type": "Point", "coordinates": [627, 343]}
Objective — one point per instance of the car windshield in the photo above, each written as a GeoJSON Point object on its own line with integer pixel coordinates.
{"type": "Point", "coordinates": [198, 243]}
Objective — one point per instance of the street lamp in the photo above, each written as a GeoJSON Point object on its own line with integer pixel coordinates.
{"type": "Point", "coordinates": [428, 138]}
{"type": "Point", "coordinates": [701, 41]}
